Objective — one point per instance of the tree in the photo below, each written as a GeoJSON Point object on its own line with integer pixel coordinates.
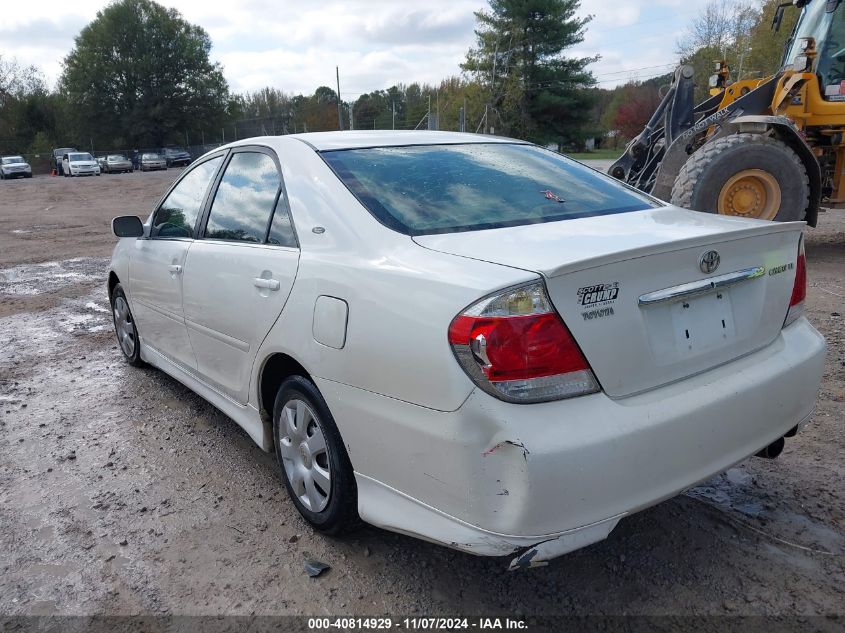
{"type": "Point", "coordinates": [720, 32]}
{"type": "Point", "coordinates": [637, 103]}
{"type": "Point", "coordinates": [141, 74]}
{"type": "Point", "coordinates": [535, 91]}
{"type": "Point", "coordinates": [766, 45]}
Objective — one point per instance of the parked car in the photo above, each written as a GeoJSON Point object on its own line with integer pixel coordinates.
{"type": "Point", "coordinates": [14, 167]}
{"type": "Point", "coordinates": [80, 164]}
{"type": "Point", "coordinates": [478, 342]}
{"type": "Point", "coordinates": [58, 155]}
{"type": "Point", "coordinates": [176, 156]}
{"type": "Point", "coordinates": [150, 161]}
{"type": "Point", "coordinates": [115, 163]}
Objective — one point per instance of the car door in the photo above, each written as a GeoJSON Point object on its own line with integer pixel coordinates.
{"type": "Point", "coordinates": [157, 264]}
{"type": "Point", "coordinates": [239, 275]}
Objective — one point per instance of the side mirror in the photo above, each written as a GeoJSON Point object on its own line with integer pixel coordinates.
{"type": "Point", "coordinates": [778, 18]}
{"type": "Point", "coordinates": [127, 226]}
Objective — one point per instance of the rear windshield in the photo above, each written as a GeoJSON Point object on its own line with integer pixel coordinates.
{"type": "Point", "coordinates": [150, 157]}
{"type": "Point", "coordinates": [426, 189]}
{"type": "Point", "coordinates": [116, 157]}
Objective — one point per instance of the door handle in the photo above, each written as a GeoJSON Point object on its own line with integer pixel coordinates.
{"type": "Point", "coordinates": [176, 269]}
{"type": "Point", "coordinates": [269, 284]}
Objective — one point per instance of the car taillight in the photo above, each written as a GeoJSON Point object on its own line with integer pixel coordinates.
{"type": "Point", "coordinates": [799, 288]}
{"type": "Point", "coordinates": [515, 347]}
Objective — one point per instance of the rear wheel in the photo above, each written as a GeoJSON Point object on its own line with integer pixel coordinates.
{"type": "Point", "coordinates": [744, 175]}
{"type": "Point", "coordinates": [312, 458]}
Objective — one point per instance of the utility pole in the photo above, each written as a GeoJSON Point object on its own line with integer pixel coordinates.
{"type": "Point", "coordinates": [437, 120]}
{"type": "Point", "coordinates": [339, 108]}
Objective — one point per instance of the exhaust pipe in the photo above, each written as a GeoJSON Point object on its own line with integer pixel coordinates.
{"type": "Point", "coordinates": [772, 450]}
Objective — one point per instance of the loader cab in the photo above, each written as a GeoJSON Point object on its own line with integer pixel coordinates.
{"type": "Point", "coordinates": [822, 22]}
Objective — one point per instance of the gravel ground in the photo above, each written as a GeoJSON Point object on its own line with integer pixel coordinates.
{"type": "Point", "coordinates": [121, 492]}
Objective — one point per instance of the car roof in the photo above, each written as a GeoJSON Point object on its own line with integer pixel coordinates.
{"type": "Point", "coordinates": [323, 141]}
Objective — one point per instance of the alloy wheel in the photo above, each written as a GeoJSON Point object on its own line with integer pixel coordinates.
{"type": "Point", "coordinates": [304, 455]}
{"type": "Point", "coordinates": [124, 327]}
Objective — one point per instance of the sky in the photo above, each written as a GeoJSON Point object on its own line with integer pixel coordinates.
{"type": "Point", "coordinates": [294, 45]}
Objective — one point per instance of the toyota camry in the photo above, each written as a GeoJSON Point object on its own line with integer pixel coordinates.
{"type": "Point", "coordinates": [468, 339]}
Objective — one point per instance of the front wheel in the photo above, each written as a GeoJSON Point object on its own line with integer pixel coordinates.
{"type": "Point", "coordinates": [312, 458]}
{"type": "Point", "coordinates": [124, 327]}
{"type": "Point", "coordinates": [744, 175]}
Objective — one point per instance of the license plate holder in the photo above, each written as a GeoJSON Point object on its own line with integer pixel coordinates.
{"type": "Point", "coordinates": [703, 323]}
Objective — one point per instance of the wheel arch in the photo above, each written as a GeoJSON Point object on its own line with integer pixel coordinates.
{"type": "Point", "coordinates": [274, 370]}
{"type": "Point", "coordinates": [113, 281]}
{"type": "Point", "coordinates": [785, 131]}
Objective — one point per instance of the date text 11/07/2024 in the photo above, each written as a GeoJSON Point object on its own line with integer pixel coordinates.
{"type": "Point", "coordinates": [416, 623]}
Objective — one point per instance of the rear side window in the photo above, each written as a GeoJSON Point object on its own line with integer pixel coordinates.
{"type": "Point", "coordinates": [177, 215]}
{"type": "Point", "coordinates": [245, 199]}
{"type": "Point", "coordinates": [426, 189]}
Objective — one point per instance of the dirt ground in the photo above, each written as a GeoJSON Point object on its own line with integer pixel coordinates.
{"type": "Point", "coordinates": [121, 492]}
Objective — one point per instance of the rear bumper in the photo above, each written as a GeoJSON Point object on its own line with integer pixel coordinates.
{"type": "Point", "coordinates": [493, 478]}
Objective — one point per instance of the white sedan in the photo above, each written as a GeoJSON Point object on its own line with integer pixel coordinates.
{"type": "Point", "coordinates": [468, 339]}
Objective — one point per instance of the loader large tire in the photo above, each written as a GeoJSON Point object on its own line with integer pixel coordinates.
{"type": "Point", "coordinates": [744, 175]}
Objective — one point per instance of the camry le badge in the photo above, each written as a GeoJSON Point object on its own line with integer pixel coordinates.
{"type": "Point", "coordinates": [709, 262]}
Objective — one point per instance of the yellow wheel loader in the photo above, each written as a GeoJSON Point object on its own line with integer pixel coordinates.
{"type": "Point", "coordinates": [769, 148]}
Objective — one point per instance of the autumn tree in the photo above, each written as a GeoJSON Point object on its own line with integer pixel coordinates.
{"type": "Point", "coordinates": [637, 103]}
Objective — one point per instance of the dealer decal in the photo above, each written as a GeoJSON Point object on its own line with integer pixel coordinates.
{"type": "Point", "coordinates": [598, 295]}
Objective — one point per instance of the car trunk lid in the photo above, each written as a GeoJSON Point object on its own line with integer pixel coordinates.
{"type": "Point", "coordinates": [632, 288]}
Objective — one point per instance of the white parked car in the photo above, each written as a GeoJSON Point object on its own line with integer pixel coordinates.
{"type": "Point", "coordinates": [80, 164]}
{"type": "Point", "coordinates": [14, 167]}
{"type": "Point", "coordinates": [464, 338]}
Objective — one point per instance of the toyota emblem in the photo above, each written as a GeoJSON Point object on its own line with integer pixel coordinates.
{"type": "Point", "coordinates": [709, 262]}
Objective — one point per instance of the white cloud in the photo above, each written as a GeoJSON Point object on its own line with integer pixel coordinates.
{"type": "Point", "coordinates": [295, 45]}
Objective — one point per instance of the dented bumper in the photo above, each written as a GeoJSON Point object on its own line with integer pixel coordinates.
{"type": "Point", "coordinates": [541, 480]}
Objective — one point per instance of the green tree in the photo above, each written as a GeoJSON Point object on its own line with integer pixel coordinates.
{"type": "Point", "coordinates": [141, 73]}
{"type": "Point", "coordinates": [535, 91]}
{"type": "Point", "coordinates": [767, 45]}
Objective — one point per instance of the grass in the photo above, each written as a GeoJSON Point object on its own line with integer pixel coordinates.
{"type": "Point", "coordinates": [597, 154]}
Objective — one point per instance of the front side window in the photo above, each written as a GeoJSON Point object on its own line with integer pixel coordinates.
{"type": "Point", "coordinates": [426, 189]}
{"type": "Point", "coordinates": [177, 215]}
{"type": "Point", "coordinates": [245, 199]}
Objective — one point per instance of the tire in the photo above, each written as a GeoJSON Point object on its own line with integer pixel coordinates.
{"type": "Point", "coordinates": [769, 164]}
{"type": "Point", "coordinates": [125, 329]}
{"type": "Point", "coordinates": [330, 507]}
